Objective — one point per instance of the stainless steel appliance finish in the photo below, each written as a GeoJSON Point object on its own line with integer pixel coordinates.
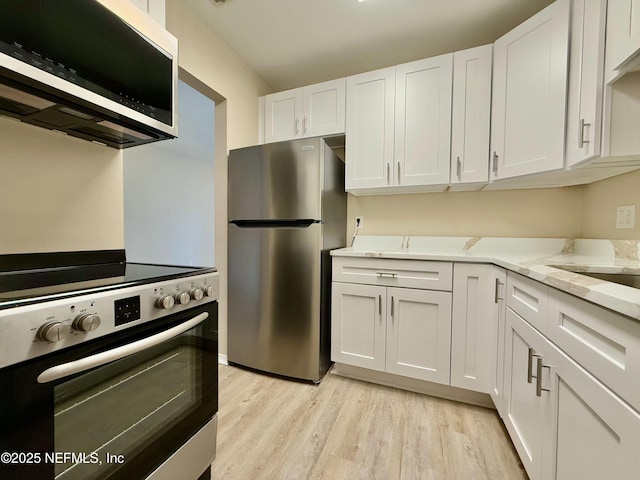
{"type": "Point", "coordinates": [99, 70]}
{"type": "Point", "coordinates": [108, 370]}
{"type": "Point", "coordinates": [287, 210]}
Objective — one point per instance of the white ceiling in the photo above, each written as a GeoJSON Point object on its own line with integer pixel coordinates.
{"type": "Point", "coordinates": [291, 43]}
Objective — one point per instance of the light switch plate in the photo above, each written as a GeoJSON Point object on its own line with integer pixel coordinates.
{"type": "Point", "coordinates": [626, 216]}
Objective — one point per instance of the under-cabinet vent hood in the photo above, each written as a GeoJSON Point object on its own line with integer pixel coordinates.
{"type": "Point", "coordinates": [99, 70]}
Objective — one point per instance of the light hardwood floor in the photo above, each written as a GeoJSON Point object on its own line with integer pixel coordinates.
{"type": "Point", "coordinates": [271, 428]}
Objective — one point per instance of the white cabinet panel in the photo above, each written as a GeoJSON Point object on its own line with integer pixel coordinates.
{"type": "Point", "coordinates": [283, 114]}
{"type": "Point", "coordinates": [586, 78]}
{"type": "Point", "coordinates": [358, 325]}
{"type": "Point", "coordinates": [603, 342]}
{"type": "Point", "coordinates": [369, 129]}
{"type": "Point", "coordinates": [393, 273]}
{"type": "Point", "coordinates": [324, 108]}
{"type": "Point", "coordinates": [524, 411]}
{"type": "Point", "coordinates": [474, 329]}
{"type": "Point", "coordinates": [596, 435]}
{"type": "Point", "coordinates": [528, 299]}
{"type": "Point", "coordinates": [418, 334]}
{"type": "Point", "coordinates": [529, 94]}
{"type": "Point", "coordinates": [423, 121]}
{"type": "Point", "coordinates": [471, 116]}
{"type": "Point", "coordinates": [623, 32]}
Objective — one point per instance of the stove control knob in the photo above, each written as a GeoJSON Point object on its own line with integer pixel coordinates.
{"type": "Point", "coordinates": [165, 302]}
{"type": "Point", "coordinates": [182, 298]}
{"type": "Point", "coordinates": [86, 322]}
{"type": "Point", "coordinates": [52, 332]}
{"type": "Point", "coordinates": [196, 293]}
{"type": "Point", "coordinates": [208, 290]}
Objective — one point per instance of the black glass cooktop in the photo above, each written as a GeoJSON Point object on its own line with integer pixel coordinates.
{"type": "Point", "coordinates": [40, 277]}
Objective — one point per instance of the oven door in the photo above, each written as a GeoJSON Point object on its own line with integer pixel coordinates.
{"type": "Point", "coordinates": [71, 416]}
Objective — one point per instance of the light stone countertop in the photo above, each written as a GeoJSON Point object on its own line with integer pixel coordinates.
{"type": "Point", "coordinates": [535, 258]}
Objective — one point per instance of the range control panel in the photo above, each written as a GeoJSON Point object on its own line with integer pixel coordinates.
{"type": "Point", "coordinates": [41, 328]}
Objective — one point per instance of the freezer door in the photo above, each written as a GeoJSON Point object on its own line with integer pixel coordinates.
{"type": "Point", "coordinates": [276, 181]}
{"type": "Point", "coordinates": [274, 299]}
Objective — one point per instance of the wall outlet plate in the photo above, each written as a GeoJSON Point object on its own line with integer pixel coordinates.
{"type": "Point", "coordinates": [358, 222]}
{"type": "Point", "coordinates": [626, 216]}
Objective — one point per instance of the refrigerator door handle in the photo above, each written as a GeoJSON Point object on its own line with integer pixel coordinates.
{"type": "Point", "coordinates": [298, 223]}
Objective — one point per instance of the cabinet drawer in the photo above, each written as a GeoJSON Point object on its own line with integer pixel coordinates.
{"type": "Point", "coordinates": [394, 273]}
{"type": "Point", "coordinates": [605, 343]}
{"type": "Point", "coordinates": [528, 299]}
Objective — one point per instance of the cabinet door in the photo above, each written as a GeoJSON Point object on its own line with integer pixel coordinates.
{"type": "Point", "coordinates": [586, 77]}
{"type": "Point", "coordinates": [529, 94]}
{"type": "Point", "coordinates": [419, 334]}
{"type": "Point", "coordinates": [623, 32]}
{"type": "Point", "coordinates": [369, 129]}
{"type": "Point", "coordinates": [323, 106]}
{"type": "Point", "coordinates": [593, 434]}
{"type": "Point", "coordinates": [423, 121]}
{"type": "Point", "coordinates": [497, 372]}
{"type": "Point", "coordinates": [283, 114]}
{"type": "Point", "coordinates": [524, 410]}
{"type": "Point", "coordinates": [474, 326]}
{"type": "Point", "coordinates": [471, 115]}
{"type": "Point", "coordinates": [358, 325]}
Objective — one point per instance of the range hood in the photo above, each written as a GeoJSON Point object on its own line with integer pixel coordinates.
{"type": "Point", "coordinates": [99, 70]}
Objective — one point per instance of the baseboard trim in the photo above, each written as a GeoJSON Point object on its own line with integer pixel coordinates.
{"type": "Point", "coordinates": [413, 385]}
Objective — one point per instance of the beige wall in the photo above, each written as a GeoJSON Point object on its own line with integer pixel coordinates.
{"type": "Point", "coordinates": [58, 193]}
{"type": "Point", "coordinates": [205, 56]}
{"type": "Point", "coordinates": [551, 212]}
{"type": "Point", "coordinates": [600, 202]}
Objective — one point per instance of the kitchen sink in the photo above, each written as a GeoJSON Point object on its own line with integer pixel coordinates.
{"type": "Point", "coordinates": [628, 279]}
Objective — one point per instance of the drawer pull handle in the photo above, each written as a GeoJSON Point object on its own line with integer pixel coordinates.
{"type": "Point", "coordinates": [387, 274]}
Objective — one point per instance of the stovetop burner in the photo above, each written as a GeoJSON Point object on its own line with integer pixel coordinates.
{"type": "Point", "coordinates": [39, 277]}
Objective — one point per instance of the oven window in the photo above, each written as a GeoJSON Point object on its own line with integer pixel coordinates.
{"type": "Point", "coordinates": [110, 414]}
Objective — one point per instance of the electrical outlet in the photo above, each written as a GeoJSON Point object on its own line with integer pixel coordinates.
{"type": "Point", "coordinates": [626, 216]}
{"type": "Point", "coordinates": [359, 221]}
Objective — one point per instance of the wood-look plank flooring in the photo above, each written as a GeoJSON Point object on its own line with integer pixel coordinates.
{"type": "Point", "coordinates": [270, 428]}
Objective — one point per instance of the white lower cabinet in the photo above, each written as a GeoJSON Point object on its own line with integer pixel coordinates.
{"type": "Point", "coordinates": [564, 423]}
{"type": "Point", "coordinates": [402, 331]}
{"type": "Point", "coordinates": [474, 326]}
{"type": "Point", "coordinates": [418, 334]}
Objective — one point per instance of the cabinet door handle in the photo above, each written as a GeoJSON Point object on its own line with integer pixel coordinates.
{"type": "Point", "coordinates": [304, 124]}
{"type": "Point", "coordinates": [392, 308]}
{"type": "Point", "coordinates": [458, 167]}
{"type": "Point", "coordinates": [388, 172]}
{"type": "Point", "coordinates": [539, 367]}
{"type": "Point", "coordinates": [297, 125]}
{"type": "Point", "coordinates": [497, 297]}
{"type": "Point", "coordinates": [380, 305]}
{"type": "Point", "coordinates": [581, 140]}
{"type": "Point", "coordinates": [495, 163]}
{"type": "Point", "coordinates": [398, 173]}
{"type": "Point", "coordinates": [530, 376]}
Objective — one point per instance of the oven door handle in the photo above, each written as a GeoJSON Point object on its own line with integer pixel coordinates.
{"type": "Point", "coordinates": [77, 366]}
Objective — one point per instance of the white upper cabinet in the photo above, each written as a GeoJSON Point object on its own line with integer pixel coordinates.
{"type": "Point", "coordinates": [471, 117]}
{"type": "Point", "coordinates": [310, 111]}
{"type": "Point", "coordinates": [423, 122]}
{"type": "Point", "coordinates": [369, 137]}
{"type": "Point", "coordinates": [586, 79]}
{"type": "Point", "coordinates": [398, 134]}
{"type": "Point", "coordinates": [283, 115]}
{"type": "Point", "coordinates": [155, 8]}
{"type": "Point", "coordinates": [623, 38]}
{"type": "Point", "coordinates": [529, 94]}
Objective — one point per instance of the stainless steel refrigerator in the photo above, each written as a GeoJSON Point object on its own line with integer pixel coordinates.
{"type": "Point", "coordinates": [287, 210]}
